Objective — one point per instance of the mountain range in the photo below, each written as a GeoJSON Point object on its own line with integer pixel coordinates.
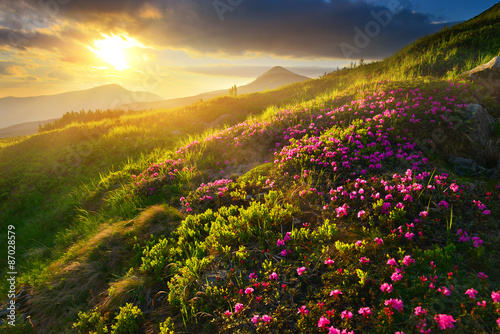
{"type": "Point", "coordinates": [21, 116]}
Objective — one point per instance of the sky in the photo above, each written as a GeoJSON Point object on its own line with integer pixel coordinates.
{"type": "Point", "coordinates": [177, 48]}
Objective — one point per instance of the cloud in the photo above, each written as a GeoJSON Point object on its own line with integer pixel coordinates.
{"type": "Point", "coordinates": [61, 75]}
{"type": "Point", "coordinates": [8, 68]}
{"type": "Point", "coordinates": [287, 28]}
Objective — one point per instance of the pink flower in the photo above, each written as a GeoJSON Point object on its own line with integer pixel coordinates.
{"type": "Point", "coordinates": [273, 276]}
{"type": "Point", "coordinates": [228, 313]}
{"type": "Point", "coordinates": [444, 321]}
{"type": "Point", "coordinates": [266, 318]}
{"type": "Point", "coordinates": [396, 276]}
{"type": "Point", "coordinates": [329, 262]}
{"type": "Point", "coordinates": [248, 291]}
{"type": "Point", "coordinates": [238, 307]}
{"type": "Point", "coordinates": [409, 235]}
{"type": "Point", "coordinates": [301, 270]}
{"type": "Point", "coordinates": [487, 212]}
{"type": "Point", "coordinates": [495, 296]}
{"type": "Point", "coordinates": [420, 311]}
{"type": "Point", "coordinates": [280, 243]}
{"type": "Point", "coordinates": [392, 262]}
{"type": "Point", "coordinates": [365, 311]}
{"type": "Point", "coordinates": [379, 241]}
{"type": "Point", "coordinates": [482, 275]}
{"type": "Point", "coordinates": [361, 213]}
{"type": "Point", "coordinates": [407, 260]}
{"type": "Point", "coordinates": [444, 290]}
{"type": "Point", "coordinates": [255, 319]}
{"type": "Point", "coordinates": [498, 322]}
{"type": "Point", "coordinates": [283, 252]}
{"type": "Point", "coordinates": [333, 330]}
{"type": "Point", "coordinates": [252, 275]}
{"type": "Point", "coordinates": [346, 315]}
{"type": "Point", "coordinates": [477, 241]}
{"type": "Point", "coordinates": [386, 287]}
{"type": "Point", "coordinates": [482, 304]}
{"type": "Point", "coordinates": [397, 304]}
{"type": "Point", "coordinates": [471, 293]}
{"type": "Point", "coordinates": [335, 293]}
{"type": "Point", "coordinates": [364, 260]}
{"type": "Point", "coordinates": [454, 187]}
{"type": "Point", "coordinates": [287, 236]}
{"type": "Point", "coordinates": [323, 322]}
{"type": "Point", "coordinates": [303, 310]}
{"type": "Point", "coordinates": [423, 214]}
{"type": "Point", "coordinates": [443, 203]}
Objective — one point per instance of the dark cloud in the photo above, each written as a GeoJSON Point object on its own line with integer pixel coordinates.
{"type": "Point", "coordinates": [294, 28]}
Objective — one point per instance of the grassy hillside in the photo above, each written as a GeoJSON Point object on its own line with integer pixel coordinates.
{"type": "Point", "coordinates": [326, 205]}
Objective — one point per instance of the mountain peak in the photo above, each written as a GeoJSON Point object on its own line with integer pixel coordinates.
{"type": "Point", "coordinates": [277, 70]}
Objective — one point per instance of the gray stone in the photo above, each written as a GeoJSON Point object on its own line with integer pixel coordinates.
{"type": "Point", "coordinates": [464, 167]}
{"type": "Point", "coordinates": [479, 122]}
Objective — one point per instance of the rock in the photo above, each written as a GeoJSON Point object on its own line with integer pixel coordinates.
{"type": "Point", "coordinates": [479, 122]}
{"type": "Point", "coordinates": [464, 167]}
{"type": "Point", "coordinates": [487, 75]}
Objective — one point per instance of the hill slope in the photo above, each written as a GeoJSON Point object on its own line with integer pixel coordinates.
{"type": "Point", "coordinates": [16, 110]}
{"type": "Point", "coordinates": [340, 212]}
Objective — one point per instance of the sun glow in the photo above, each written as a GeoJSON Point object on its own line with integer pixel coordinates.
{"type": "Point", "coordinates": [112, 49]}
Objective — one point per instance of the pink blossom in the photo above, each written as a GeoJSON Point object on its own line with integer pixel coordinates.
{"type": "Point", "coordinates": [423, 214]}
{"type": "Point", "coordinates": [301, 270]}
{"type": "Point", "coordinates": [397, 304]}
{"type": "Point", "coordinates": [454, 187]}
{"type": "Point", "coordinates": [420, 311]}
{"type": "Point", "coordinates": [228, 313]}
{"type": "Point", "coordinates": [482, 275]}
{"type": "Point", "coordinates": [283, 252]}
{"type": "Point", "coordinates": [335, 293]}
{"type": "Point", "coordinates": [255, 319]}
{"type": "Point", "coordinates": [477, 241]}
{"type": "Point", "coordinates": [392, 262]}
{"type": "Point", "coordinates": [252, 275]}
{"type": "Point", "coordinates": [323, 322]}
{"type": "Point", "coordinates": [498, 322]}
{"type": "Point", "coordinates": [365, 311]}
{"type": "Point", "coordinates": [443, 203]}
{"type": "Point", "coordinates": [364, 260]}
{"type": "Point", "coordinates": [444, 321]}
{"type": "Point", "coordinates": [266, 318]}
{"type": "Point", "coordinates": [238, 307]}
{"type": "Point", "coordinates": [407, 260]}
{"type": "Point", "coordinates": [329, 262]}
{"type": "Point", "coordinates": [379, 241]}
{"type": "Point", "coordinates": [280, 243]}
{"type": "Point", "coordinates": [273, 276]}
{"type": "Point", "coordinates": [361, 213]}
{"type": "Point", "coordinates": [444, 290]}
{"type": "Point", "coordinates": [386, 287]}
{"type": "Point", "coordinates": [396, 276]}
{"type": "Point", "coordinates": [409, 235]}
{"type": "Point", "coordinates": [248, 291]}
{"type": "Point", "coordinates": [303, 310]}
{"type": "Point", "coordinates": [346, 315]}
{"type": "Point", "coordinates": [495, 296]}
{"type": "Point", "coordinates": [482, 304]}
{"type": "Point", "coordinates": [471, 293]}
{"type": "Point", "coordinates": [333, 330]}
{"type": "Point", "coordinates": [487, 212]}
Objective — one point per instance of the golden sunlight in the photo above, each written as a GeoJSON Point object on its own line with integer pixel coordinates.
{"type": "Point", "coordinates": [112, 48]}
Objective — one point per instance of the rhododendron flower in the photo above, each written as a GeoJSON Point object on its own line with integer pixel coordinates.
{"type": "Point", "coordinates": [252, 275]}
{"type": "Point", "coordinates": [487, 212]}
{"type": "Point", "coordinates": [477, 241]}
{"type": "Point", "coordinates": [482, 275]}
{"type": "Point", "coordinates": [364, 260]}
{"type": "Point", "coordinates": [333, 330]}
{"type": "Point", "coordinates": [495, 295]}
{"type": "Point", "coordinates": [392, 262]}
{"type": "Point", "coordinates": [228, 313]}
{"type": "Point", "coordinates": [379, 241]}
{"type": "Point", "coordinates": [255, 319]}
{"type": "Point", "coordinates": [407, 260]}
{"type": "Point", "coordinates": [444, 321]}
{"type": "Point", "coordinates": [397, 304]}
{"type": "Point", "coordinates": [396, 276]}
{"type": "Point", "coordinates": [444, 290]}
{"type": "Point", "coordinates": [323, 322]}
{"type": "Point", "coordinates": [329, 262]}
{"type": "Point", "coordinates": [283, 252]}
{"type": "Point", "coordinates": [482, 304]}
{"type": "Point", "coordinates": [301, 270]}
{"type": "Point", "coordinates": [287, 236]}
{"type": "Point", "coordinates": [248, 291]}
{"type": "Point", "coordinates": [420, 311]}
{"type": "Point", "coordinates": [238, 307]}
{"type": "Point", "coordinates": [266, 318]}
{"type": "Point", "coordinates": [361, 213]}
{"type": "Point", "coordinates": [444, 203]}
{"type": "Point", "coordinates": [280, 243]}
{"type": "Point", "coordinates": [423, 214]}
{"type": "Point", "coordinates": [303, 310]}
{"type": "Point", "coordinates": [498, 322]}
{"type": "Point", "coordinates": [273, 276]}
{"type": "Point", "coordinates": [409, 235]}
{"type": "Point", "coordinates": [359, 243]}
{"type": "Point", "coordinates": [335, 293]}
{"type": "Point", "coordinates": [471, 293]}
{"type": "Point", "coordinates": [365, 311]}
{"type": "Point", "coordinates": [386, 287]}
{"type": "Point", "coordinates": [346, 315]}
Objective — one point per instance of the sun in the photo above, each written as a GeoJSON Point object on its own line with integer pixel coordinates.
{"type": "Point", "coordinates": [112, 49]}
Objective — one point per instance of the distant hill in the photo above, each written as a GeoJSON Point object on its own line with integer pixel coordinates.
{"type": "Point", "coordinates": [23, 129]}
{"type": "Point", "coordinates": [16, 110]}
{"type": "Point", "coordinates": [272, 79]}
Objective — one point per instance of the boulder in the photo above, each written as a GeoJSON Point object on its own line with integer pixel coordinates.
{"type": "Point", "coordinates": [488, 75]}
{"type": "Point", "coordinates": [221, 120]}
{"type": "Point", "coordinates": [480, 124]}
